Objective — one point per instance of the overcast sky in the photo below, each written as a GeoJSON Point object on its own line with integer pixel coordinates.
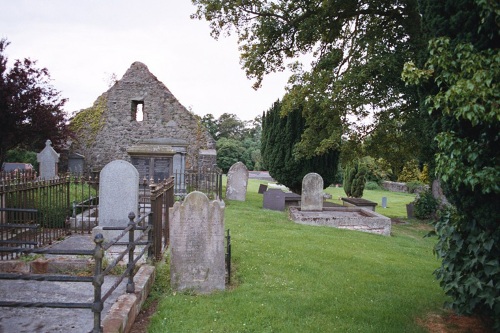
{"type": "Point", "coordinates": [82, 43]}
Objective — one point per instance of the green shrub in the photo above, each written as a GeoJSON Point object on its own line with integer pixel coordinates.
{"type": "Point", "coordinates": [372, 186]}
{"type": "Point", "coordinates": [354, 179]}
{"type": "Point", "coordinates": [410, 172]}
{"type": "Point", "coordinates": [415, 186]}
{"type": "Point", "coordinates": [425, 206]}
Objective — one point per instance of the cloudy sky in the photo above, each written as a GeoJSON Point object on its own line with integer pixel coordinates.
{"type": "Point", "coordinates": [83, 43]}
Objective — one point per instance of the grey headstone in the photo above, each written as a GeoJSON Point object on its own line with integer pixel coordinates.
{"type": "Point", "coordinates": [274, 199]}
{"type": "Point", "coordinates": [118, 196]}
{"type": "Point", "coordinates": [197, 244]}
{"type": "Point", "coordinates": [76, 163]}
{"type": "Point", "coordinates": [312, 193]}
{"type": "Point", "coordinates": [237, 181]}
{"type": "Point", "coordinates": [48, 159]}
{"type": "Point", "coordinates": [384, 202]}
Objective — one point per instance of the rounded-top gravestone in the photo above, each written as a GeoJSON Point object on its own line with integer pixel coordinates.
{"type": "Point", "coordinates": [118, 196]}
{"type": "Point", "coordinates": [312, 192]}
{"type": "Point", "coordinates": [237, 181]}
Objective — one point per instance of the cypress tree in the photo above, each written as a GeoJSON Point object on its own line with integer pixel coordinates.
{"type": "Point", "coordinates": [280, 136]}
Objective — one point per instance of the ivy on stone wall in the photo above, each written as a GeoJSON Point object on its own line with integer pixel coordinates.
{"type": "Point", "coordinates": [88, 122]}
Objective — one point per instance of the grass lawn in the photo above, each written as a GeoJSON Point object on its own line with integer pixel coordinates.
{"type": "Point", "coordinates": [297, 278]}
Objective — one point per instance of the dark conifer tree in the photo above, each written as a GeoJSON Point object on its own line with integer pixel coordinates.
{"type": "Point", "coordinates": [279, 138]}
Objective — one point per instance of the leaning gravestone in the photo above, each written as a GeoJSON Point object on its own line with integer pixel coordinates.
{"type": "Point", "coordinates": [197, 244]}
{"type": "Point", "coordinates": [48, 159]}
{"type": "Point", "coordinates": [312, 193]}
{"type": "Point", "coordinates": [237, 181]}
{"type": "Point", "coordinates": [118, 196]}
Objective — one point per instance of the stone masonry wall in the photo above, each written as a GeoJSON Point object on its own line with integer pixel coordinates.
{"type": "Point", "coordinates": [106, 130]}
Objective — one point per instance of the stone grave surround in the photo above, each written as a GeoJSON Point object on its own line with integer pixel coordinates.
{"type": "Point", "coordinates": [237, 182]}
{"type": "Point", "coordinates": [118, 196]}
{"type": "Point", "coordinates": [197, 259]}
{"type": "Point", "coordinates": [48, 159]}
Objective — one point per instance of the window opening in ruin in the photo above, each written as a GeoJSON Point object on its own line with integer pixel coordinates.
{"type": "Point", "coordinates": [138, 110]}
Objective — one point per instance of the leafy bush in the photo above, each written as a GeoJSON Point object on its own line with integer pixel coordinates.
{"type": "Point", "coordinates": [425, 206]}
{"type": "Point", "coordinates": [470, 265]}
{"type": "Point", "coordinates": [372, 186]}
{"type": "Point", "coordinates": [410, 172]}
{"type": "Point", "coordinates": [377, 169]}
{"type": "Point", "coordinates": [415, 186]}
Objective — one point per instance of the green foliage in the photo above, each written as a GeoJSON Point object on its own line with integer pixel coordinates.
{"type": "Point", "coordinates": [415, 186]}
{"type": "Point", "coordinates": [372, 186]}
{"type": "Point", "coordinates": [460, 79]}
{"type": "Point", "coordinates": [88, 122]}
{"type": "Point", "coordinates": [424, 175]}
{"type": "Point", "coordinates": [377, 170]}
{"type": "Point", "coordinates": [355, 179]}
{"type": "Point", "coordinates": [410, 172]}
{"type": "Point", "coordinates": [280, 136]}
{"type": "Point", "coordinates": [22, 156]}
{"type": "Point", "coordinates": [470, 269]}
{"type": "Point", "coordinates": [229, 151]}
{"type": "Point", "coordinates": [236, 140]}
{"type": "Point", "coordinates": [31, 110]}
{"type": "Point", "coordinates": [358, 50]}
{"type": "Point", "coordinates": [425, 206]}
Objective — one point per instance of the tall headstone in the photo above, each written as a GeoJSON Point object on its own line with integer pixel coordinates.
{"type": "Point", "coordinates": [197, 244]}
{"type": "Point", "coordinates": [312, 193]}
{"type": "Point", "coordinates": [48, 159]}
{"type": "Point", "coordinates": [237, 181]}
{"type": "Point", "coordinates": [118, 196]}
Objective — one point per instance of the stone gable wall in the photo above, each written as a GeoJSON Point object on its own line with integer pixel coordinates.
{"type": "Point", "coordinates": [107, 138]}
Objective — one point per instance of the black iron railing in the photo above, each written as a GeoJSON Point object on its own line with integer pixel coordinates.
{"type": "Point", "coordinates": [146, 226]}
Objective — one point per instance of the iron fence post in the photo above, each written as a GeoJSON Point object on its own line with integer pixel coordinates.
{"type": "Point", "coordinates": [228, 257]}
{"type": "Point", "coordinates": [130, 264]}
{"type": "Point", "coordinates": [97, 282]}
{"type": "Point", "coordinates": [150, 236]}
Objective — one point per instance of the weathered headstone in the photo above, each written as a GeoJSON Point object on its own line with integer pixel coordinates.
{"type": "Point", "coordinates": [48, 159]}
{"type": "Point", "coordinates": [312, 193]}
{"type": "Point", "coordinates": [384, 202]}
{"type": "Point", "coordinates": [197, 244]}
{"type": "Point", "coordinates": [237, 181]}
{"type": "Point", "coordinates": [118, 196]}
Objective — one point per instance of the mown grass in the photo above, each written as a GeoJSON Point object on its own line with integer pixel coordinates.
{"type": "Point", "coordinates": [396, 202]}
{"type": "Point", "coordinates": [295, 278]}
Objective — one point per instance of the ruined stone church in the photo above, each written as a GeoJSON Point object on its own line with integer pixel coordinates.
{"type": "Point", "coordinates": [139, 120]}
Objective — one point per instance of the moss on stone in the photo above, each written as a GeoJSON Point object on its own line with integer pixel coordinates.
{"type": "Point", "coordinates": [88, 122]}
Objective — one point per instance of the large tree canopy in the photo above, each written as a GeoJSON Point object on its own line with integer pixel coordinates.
{"type": "Point", "coordinates": [358, 50]}
{"type": "Point", "coordinates": [30, 108]}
